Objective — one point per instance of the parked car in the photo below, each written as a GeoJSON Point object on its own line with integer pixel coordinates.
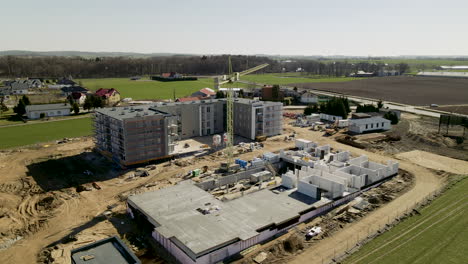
{"type": "Point", "coordinates": [314, 231]}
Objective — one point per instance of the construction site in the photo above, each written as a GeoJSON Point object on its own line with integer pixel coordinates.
{"type": "Point", "coordinates": [63, 195]}
{"type": "Point", "coordinates": [221, 180]}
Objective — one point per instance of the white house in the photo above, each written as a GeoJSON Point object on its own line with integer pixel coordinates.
{"type": "Point", "coordinates": [35, 111]}
{"type": "Point", "coordinates": [331, 118]}
{"type": "Point", "coordinates": [362, 125]}
{"type": "Point", "coordinates": [309, 98]}
{"type": "Point", "coordinates": [205, 93]}
{"type": "Point", "coordinates": [78, 97]}
{"type": "Point", "coordinates": [19, 88]}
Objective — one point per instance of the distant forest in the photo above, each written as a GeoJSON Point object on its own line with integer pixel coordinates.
{"type": "Point", "coordinates": [101, 67]}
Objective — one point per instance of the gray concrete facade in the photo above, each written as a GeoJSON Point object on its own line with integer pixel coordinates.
{"type": "Point", "coordinates": [132, 134]}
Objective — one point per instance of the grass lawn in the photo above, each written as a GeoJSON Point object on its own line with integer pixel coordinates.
{"type": "Point", "coordinates": [438, 235]}
{"type": "Point", "coordinates": [146, 89]}
{"type": "Point", "coordinates": [34, 133]}
{"type": "Point", "coordinates": [287, 78]}
{"type": "Point", "coordinates": [9, 118]}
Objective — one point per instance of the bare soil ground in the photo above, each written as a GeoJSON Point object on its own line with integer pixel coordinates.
{"type": "Point", "coordinates": [50, 206]}
{"type": "Point", "coordinates": [461, 109]}
{"type": "Point", "coordinates": [436, 162]}
{"type": "Point", "coordinates": [401, 89]}
{"type": "Point", "coordinates": [419, 133]}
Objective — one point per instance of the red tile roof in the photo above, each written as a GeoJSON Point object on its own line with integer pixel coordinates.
{"type": "Point", "coordinates": [208, 91]}
{"type": "Point", "coordinates": [106, 92]}
{"type": "Point", "coordinates": [187, 99]}
{"type": "Point", "coordinates": [77, 95]}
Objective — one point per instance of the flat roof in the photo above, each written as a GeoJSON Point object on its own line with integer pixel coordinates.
{"type": "Point", "coordinates": [173, 211]}
{"type": "Point", "coordinates": [368, 120]}
{"type": "Point", "coordinates": [152, 109]}
{"type": "Point", "coordinates": [42, 107]}
{"type": "Point", "coordinates": [105, 251]}
{"type": "Point", "coordinates": [128, 112]}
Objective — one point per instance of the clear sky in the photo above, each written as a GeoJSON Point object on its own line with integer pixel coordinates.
{"type": "Point", "coordinates": [287, 27]}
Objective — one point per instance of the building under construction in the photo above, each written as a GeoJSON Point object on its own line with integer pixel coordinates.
{"type": "Point", "coordinates": [196, 225]}
{"type": "Point", "coordinates": [138, 134]}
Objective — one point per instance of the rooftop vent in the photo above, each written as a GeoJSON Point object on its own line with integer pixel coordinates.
{"type": "Point", "coordinates": [122, 113]}
{"type": "Point", "coordinates": [113, 109]}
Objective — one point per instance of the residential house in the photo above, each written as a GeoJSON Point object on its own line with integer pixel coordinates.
{"type": "Point", "coordinates": [236, 91]}
{"type": "Point", "coordinates": [47, 110]}
{"type": "Point", "coordinates": [77, 97]}
{"type": "Point", "coordinates": [187, 99]}
{"type": "Point", "coordinates": [374, 123]}
{"type": "Point", "coordinates": [19, 88]}
{"type": "Point", "coordinates": [34, 83]}
{"type": "Point", "coordinates": [362, 74]}
{"type": "Point", "coordinates": [67, 91]}
{"type": "Point", "coordinates": [309, 98]}
{"type": "Point", "coordinates": [66, 81]}
{"type": "Point", "coordinates": [268, 94]}
{"type": "Point", "coordinates": [171, 75]}
{"type": "Point", "coordinates": [205, 93]}
{"type": "Point", "coordinates": [111, 96]}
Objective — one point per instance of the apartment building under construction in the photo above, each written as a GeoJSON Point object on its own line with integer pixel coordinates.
{"type": "Point", "coordinates": [138, 134]}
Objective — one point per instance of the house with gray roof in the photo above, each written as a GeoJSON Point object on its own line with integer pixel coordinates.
{"type": "Point", "coordinates": [19, 88]}
{"type": "Point", "coordinates": [47, 110]}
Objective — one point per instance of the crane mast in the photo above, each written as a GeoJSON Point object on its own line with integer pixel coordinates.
{"type": "Point", "coordinates": [231, 78]}
{"type": "Point", "coordinates": [230, 120]}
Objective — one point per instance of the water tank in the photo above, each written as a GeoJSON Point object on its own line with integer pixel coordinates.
{"type": "Point", "coordinates": [216, 140]}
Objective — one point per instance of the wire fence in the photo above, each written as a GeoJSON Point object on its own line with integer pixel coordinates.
{"type": "Point", "coordinates": [345, 248]}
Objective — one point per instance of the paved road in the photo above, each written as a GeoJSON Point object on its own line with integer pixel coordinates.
{"type": "Point", "coordinates": [391, 105]}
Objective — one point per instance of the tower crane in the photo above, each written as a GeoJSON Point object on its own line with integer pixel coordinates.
{"type": "Point", "coordinates": [231, 78]}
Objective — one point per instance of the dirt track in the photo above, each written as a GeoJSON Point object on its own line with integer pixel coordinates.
{"type": "Point", "coordinates": [401, 89]}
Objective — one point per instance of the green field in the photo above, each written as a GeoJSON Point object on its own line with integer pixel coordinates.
{"type": "Point", "coordinates": [153, 90]}
{"type": "Point", "coordinates": [287, 78]}
{"type": "Point", "coordinates": [16, 136]}
{"type": "Point", "coordinates": [146, 89]}
{"type": "Point", "coordinates": [438, 235]}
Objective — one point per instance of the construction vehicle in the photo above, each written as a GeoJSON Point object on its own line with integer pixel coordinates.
{"type": "Point", "coordinates": [229, 167]}
{"type": "Point", "coordinates": [330, 132]}
{"type": "Point", "coordinates": [260, 138]}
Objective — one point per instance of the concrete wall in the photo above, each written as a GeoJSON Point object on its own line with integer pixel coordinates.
{"type": "Point", "coordinates": [308, 189]}
{"type": "Point", "coordinates": [220, 254]}
{"type": "Point", "coordinates": [330, 118]}
{"type": "Point", "coordinates": [36, 114]}
{"type": "Point", "coordinates": [305, 144]}
{"type": "Point", "coordinates": [341, 156]}
{"type": "Point", "coordinates": [371, 124]}
{"type": "Point", "coordinates": [289, 180]}
{"type": "Point", "coordinates": [333, 188]}
{"type": "Point", "coordinates": [230, 179]}
{"type": "Point", "coordinates": [244, 120]}
{"type": "Point", "coordinates": [318, 150]}
{"type": "Point", "coordinates": [359, 160]}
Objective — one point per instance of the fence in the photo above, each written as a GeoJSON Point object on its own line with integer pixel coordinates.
{"type": "Point", "coordinates": [345, 248]}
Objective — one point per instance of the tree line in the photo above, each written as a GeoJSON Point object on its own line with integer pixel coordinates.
{"type": "Point", "coordinates": [101, 67]}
